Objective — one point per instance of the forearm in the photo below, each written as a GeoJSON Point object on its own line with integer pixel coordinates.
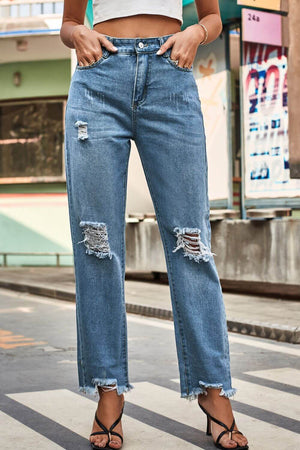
{"type": "Point", "coordinates": [213, 24]}
{"type": "Point", "coordinates": [208, 12]}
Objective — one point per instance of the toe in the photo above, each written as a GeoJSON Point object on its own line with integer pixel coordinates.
{"type": "Point", "coordinates": [99, 442]}
{"type": "Point", "coordinates": [241, 440]}
{"type": "Point", "coordinates": [228, 443]}
{"type": "Point", "coordinates": [115, 444]}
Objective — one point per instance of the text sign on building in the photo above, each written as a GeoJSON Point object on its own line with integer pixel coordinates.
{"type": "Point", "coordinates": [262, 27]}
{"type": "Point", "coordinates": [265, 4]}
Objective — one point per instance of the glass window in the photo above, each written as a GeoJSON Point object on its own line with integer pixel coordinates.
{"type": "Point", "coordinates": [24, 10]}
{"type": "Point", "coordinates": [36, 9]}
{"type": "Point", "coordinates": [59, 7]}
{"type": "Point", "coordinates": [48, 8]}
{"type": "Point", "coordinates": [14, 11]}
{"type": "Point", "coordinates": [31, 140]}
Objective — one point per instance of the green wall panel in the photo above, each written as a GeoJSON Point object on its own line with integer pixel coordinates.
{"type": "Point", "coordinates": [32, 188]}
{"type": "Point", "coordinates": [39, 79]}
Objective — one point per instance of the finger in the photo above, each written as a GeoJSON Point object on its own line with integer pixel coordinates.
{"type": "Point", "coordinates": [187, 64]}
{"type": "Point", "coordinates": [169, 42]}
{"type": "Point", "coordinates": [84, 61]}
{"type": "Point", "coordinates": [97, 56]}
{"type": "Point", "coordinates": [107, 43]}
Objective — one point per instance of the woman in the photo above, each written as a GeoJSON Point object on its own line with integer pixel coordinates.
{"type": "Point", "coordinates": [134, 80]}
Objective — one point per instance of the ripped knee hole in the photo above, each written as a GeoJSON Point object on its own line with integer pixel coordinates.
{"type": "Point", "coordinates": [189, 239]}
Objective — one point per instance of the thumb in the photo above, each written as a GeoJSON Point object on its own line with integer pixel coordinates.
{"type": "Point", "coordinates": [107, 43]}
{"type": "Point", "coordinates": [169, 42]}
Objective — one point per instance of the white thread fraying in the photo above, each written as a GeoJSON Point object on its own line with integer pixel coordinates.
{"type": "Point", "coordinates": [82, 130]}
{"type": "Point", "coordinates": [190, 241]}
{"type": "Point", "coordinates": [202, 390]}
{"type": "Point", "coordinates": [96, 239]}
{"type": "Point", "coordinates": [109, 383]}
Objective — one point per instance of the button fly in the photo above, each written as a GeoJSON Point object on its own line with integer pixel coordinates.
{"type": "Point", "coordinates": [141, 44]}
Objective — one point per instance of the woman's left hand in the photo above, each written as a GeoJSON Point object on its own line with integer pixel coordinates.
{"type": "Point", "coordinates": [185, 44]}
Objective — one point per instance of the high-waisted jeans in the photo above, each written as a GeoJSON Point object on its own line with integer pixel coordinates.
{"type": "Point", "coordinates": [134, 94]}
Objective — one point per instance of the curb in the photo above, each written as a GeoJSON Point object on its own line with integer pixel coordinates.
{"type": "Point", "coordinates": [282, 333]}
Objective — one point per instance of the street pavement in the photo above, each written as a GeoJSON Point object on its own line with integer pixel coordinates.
{"type": "Point", "coordinates": [273, 318]}
{"type": "Point", "coordinates": [41, 408]}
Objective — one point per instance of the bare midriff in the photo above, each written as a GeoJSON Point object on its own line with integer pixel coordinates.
{"type": "Point", "coordinates": [139, 25]}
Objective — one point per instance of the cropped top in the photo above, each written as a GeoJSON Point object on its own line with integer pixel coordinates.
{"type": "Point", "coordinates": [110, 9]}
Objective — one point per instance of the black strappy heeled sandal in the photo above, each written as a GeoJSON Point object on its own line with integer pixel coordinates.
{"type": "Point", "coordinates": [230, 430]}
{"type": "Point", "coordinates": [109, 432]}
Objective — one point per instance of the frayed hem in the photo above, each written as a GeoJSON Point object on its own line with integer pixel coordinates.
{"type": "Point", "coordinates": [202, 390]}
{"type": "Point", "coordinates": [93, 390]}
{"type": "Point", "coordinates": [228, 392]}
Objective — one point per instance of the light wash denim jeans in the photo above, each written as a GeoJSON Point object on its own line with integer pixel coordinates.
{"type": "Point", "coordinates": [136, 94]}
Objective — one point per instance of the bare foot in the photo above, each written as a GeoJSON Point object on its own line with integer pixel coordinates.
{"type": "Point", "coordinates": [109, 408]}
{"type": "Point", "coordinates": [220, 408]}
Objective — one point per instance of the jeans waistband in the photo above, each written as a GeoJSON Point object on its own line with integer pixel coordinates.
{"type": "Point", "coordinates": [138, 44]}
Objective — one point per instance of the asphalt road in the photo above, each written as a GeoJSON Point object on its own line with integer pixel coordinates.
{"type": "Point", "coordinates": [41, 408]}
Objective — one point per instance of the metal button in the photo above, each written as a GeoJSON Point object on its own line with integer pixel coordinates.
{"type": "Point", "coordinates": [140, 44]}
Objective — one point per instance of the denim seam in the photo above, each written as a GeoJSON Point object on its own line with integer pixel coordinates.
{"type": "Point", "coordinates": [181, 330]}
{"type": "Point", "coordinates": [133, 121]}
{"type": "Point", "coordinates": [76, 281]}
{"type": "Point", "coordinates": [135, 81]}
{"type": "Point", "coordinates": [142, 101]}
{"type": "Point", "coordinates": [133, 114]}
{"type": "Point", "coordinates": [124, 349]}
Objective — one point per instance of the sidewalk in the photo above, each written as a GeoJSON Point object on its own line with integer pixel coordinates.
{"type": "Point", "coordinates": [256, 316]}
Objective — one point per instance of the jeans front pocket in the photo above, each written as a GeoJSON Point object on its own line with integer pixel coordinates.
{"type": "Point", "coordinates": [167, 56]}
{"type": "Point", "coordinates": [104, 56]}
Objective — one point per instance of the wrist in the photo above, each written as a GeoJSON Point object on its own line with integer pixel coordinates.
{"type": "Point", "coordinates": [77, 30]}
{"type": "Point", "coordinates": [199, 33]}
{"type": "Point", "coordinates": [204, 33]}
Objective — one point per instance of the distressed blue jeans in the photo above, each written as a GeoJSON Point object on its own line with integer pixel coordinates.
{"type": "Point", "coordinates": [136, 94]}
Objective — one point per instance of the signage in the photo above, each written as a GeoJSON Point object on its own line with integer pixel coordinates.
{"type": "Point", "coordinates": [265, 123]}
{"type": "Point", "coordinates": [275, 5]}
{"type": "Point", "coordinates": [261, 27]}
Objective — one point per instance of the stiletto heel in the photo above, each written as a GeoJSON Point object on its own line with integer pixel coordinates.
{"type": "Point", "coordinates": [230, 430]}
{"type": "Point", "coordinates": [208, 428]}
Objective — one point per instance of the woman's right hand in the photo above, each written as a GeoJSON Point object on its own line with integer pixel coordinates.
{"type": "Point", "coordinates": [87, 44]}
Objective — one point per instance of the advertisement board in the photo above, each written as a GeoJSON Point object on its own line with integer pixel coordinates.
{"type": "Point", "coordinates": [265, 123]}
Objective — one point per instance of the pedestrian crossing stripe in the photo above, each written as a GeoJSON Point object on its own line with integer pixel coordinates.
{"type": "Point", "coordinates": [16, 434]}
{"type": "Point", "coordinates": [76, 411]}
{"type": "Point", "coordinates": [285, 375]}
